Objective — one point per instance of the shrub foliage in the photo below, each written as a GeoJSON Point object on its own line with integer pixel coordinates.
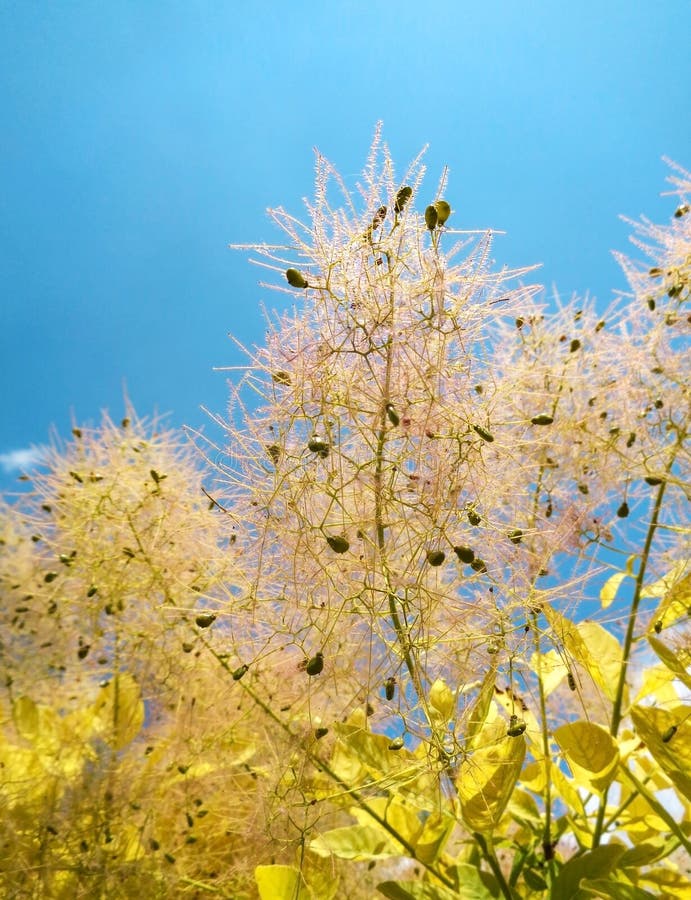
{"type": "Point", "coordinates": [422, 631]}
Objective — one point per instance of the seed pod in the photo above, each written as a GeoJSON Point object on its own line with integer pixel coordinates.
{"type": "Point", "coordinates": [187, 647]}
{"type": "Point", "coordinates": [296, 279]}
{"type": "Point", "coordinates": [668, 734]}
{"type": "Point", "coordinates": [318, 445]}
{"type": "Point", "coordinates": [443, 211]}
{"type": "Point", "coordinates": [338, 543]}
{"type": "Point", "coordinates": [655, 272]}
{"type": "Point", "coordinates": [623, 510]}
{"type": "Point", "coordinates": [390, 688]}
{"type": "Point", "coordinates": [681, 210]}
{"type": "Point", "coordinates": [516, 536]}
{"type": "Point", "coordinates": [478, 565]}
{"type": "Point", "coordinates": [571, 681]}
{"type": "Point", "coordinates": [493, 648]}
{"type": "Point", "coordinates": [435, 557]}
{"type": "Point", "coordinates": [402, 197]}
{"type": "Point", "coordinates": [77, 432]}
{"type": "Point", "coordinates": [169, 858]}
{"type": "Point", "coordinates": [653, 480]}
{"type": "Point", "coordinates": [239, 672]}
{"type": "Point", "coordinates": [396, 744]}
{"type": "Point", "coordinates": [465, 554]}
{"type": "Point", "coordinates": [542, 419]}
{"type": "Point", "coordinates": [516, 727]}
{"type": "Point", "coordinates": [431, 217]}
{"type": "Point", "coordinates": [205, 619]}
{"type": "Point", "coordinates": [50, 576]}
{"type": "Point", "coordinates": [155, 476]}
{"type": "Point", "coordinates": [631, 440]}
{"type": "Point", "coordinates": [485, 435]}
{"type": "Point", "coordinates": [274, 452]}
{"type": "Point", "coordinates": [315, 664]}
{"type": "Point", "coordinates": [83, 651]}
{"type": "Point", "coordinates": [651, 303]}
{"type": "Point", "coordinates": [658, 626]}
{"type": "Point", "coordinates": [319, 733]}
{"type": "Point", "coordinates": [379, 217]}
{"type": "Point", "coordinates": [393, 416]}
{"type": "Point", "coordinates": [281, 377]}
{"type": "Point", "coordinates": [125, 423]}
{"type": "Point", "coordinates": [473, 517]}
{"type": "Point", "coordinates": [92, 590]}
{"type": "Point", "coordinates": [574, 345]}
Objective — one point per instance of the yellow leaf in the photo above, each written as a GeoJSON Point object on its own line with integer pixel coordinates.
{"type": "Point", "coordinates": [26, 718]}
{"type": "Point", "coordinates": [610, 588]}
{"type": "Point", "coordinates": [591, 753]}
{"type": "Point", "coordinates": [480, 708]}
{"type": "Point", "coordinates": [118, 713]}
{"type": "Point", "coordinates": [487, 779]}
{"type": "Point", "coordinates": [551, 668]}
{"type": "Point", "coordinates": [676, 598]}
{"type": "Point", "coordinates": [604, 655]}
{"type": "Point", "coordinates": [442, 699]}
{"type": "Point", "coordinates": [671, 659]}
{"type": "Point", "coordinates": [657, 683]}
{"type": "Point", "coordinates": [356, 842]}
{"type": "Point", "coordinates": [667, 734]}
{"type": "Point", "coordinates": [595, 649]}
{"type": "Point", "coordinates": [281, 883]}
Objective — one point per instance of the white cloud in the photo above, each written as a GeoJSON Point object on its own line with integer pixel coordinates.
{"type": "Point", "coordinates": [20, 460]}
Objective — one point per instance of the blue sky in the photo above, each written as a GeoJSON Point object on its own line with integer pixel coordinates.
{"type": "Point", "coordinates": [139, 139]}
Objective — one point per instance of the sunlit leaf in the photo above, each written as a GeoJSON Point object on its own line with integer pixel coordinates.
{"type": "Point", "coordinates": [26, 718]}
{"type": "Point", "coordinates": [118, 713]}
{"type": "Point", "coordinates": [356, 842]}
{"type": "Point", "coordinates": [676, 597]}
{"type": "Point", "coordinates": [486, 780]}
{"type": "Point", "coordinates": [591, 753]}
{"type": "Point", "coordinates": [674, 755]}
{"type": "Point", "coordinates": [592, 646]}
{"type": "Point", "coordinates": [481, 706]}
{"type": "Point", "coordinates": [442, 699]}
{"type": "Point", "coordinates": [281, 883]}
{"type": "Point", "coordinates": [551, 668]}
{"type": "Point", "coordinates": [671, 659]}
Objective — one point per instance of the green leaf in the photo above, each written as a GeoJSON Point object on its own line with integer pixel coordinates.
{"type": "Point", "coordinates": [617, 890]}
{"type": "Point", "coordinates": [597, 863]}
{"type": "Point", "coordinates": [591, 752]}
{"type": "Point", "coordinates": [281, 883]}
{"type": "Point", "coordinates": [470, 887]}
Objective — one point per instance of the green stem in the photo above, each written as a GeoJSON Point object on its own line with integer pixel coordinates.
{"type": "Point", "coordinates": [493, 862]}
{"type": "Point", "coordinates": [618, 707]}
